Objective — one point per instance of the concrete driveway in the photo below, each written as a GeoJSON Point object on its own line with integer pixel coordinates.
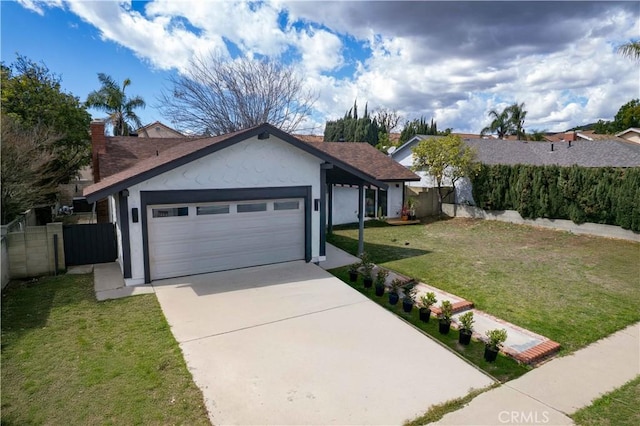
{"type": "Point", "coordinates": [290, 344]}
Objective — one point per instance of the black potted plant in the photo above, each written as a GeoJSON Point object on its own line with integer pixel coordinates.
{"type": "Point", "coordinates": [367, 267]}
{"type": "Point", "coordinates": [427, 300]}
{"type": "Point", "coordinates": [367, 278]}
{"type": "Point", "coordinates": [353, 272]}
{"type": "Point", "coordinates": [495, 339]}
{"type": "Point", "coordinates": [393, 291]}
{"type": "Point", "coordinates": [444, 324]}
{"type": "Point", "coordinates": [466, 328]}
{"type": "Point", "coordinates": [409, 292]}
{"type": "Point", "coordinates": [381, 279]}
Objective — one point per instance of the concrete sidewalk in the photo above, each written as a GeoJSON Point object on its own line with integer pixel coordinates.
{"type": "Point", "coordinates": [548, 394]}
{"type": "Point", "coordinates": [109, 284]}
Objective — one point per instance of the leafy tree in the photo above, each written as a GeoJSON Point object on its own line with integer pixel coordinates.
{"type": "Point", "coordinates": [447, 159]}
{"type": "Point", "coordinates": [537, 135]}
{"type": "Point", "coordinates": [34, 104]}
{"type": "Point", "coordinates": [112, 99]}
{"type": "Point", "coordinates": [508, 122]}
{"type": "Point", "coordinates": [630, 50]}
{"type": "Point", "coordinates": [352, 128]}
{"type": "Point", "coordinates": [419, 126]}
{"type": "Point", "coordinates": [216, 96]}
{"type": "Point", "coordinates": [627, 116]}
{"type": "Point", "coordinates": [516, 116]}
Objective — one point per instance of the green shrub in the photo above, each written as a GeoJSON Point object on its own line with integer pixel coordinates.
{"type": "Point", "coordinates": [600, 194]}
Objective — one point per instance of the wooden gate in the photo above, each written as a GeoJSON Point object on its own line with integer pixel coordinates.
{"type": "Point", "coordinates": [89, 243]}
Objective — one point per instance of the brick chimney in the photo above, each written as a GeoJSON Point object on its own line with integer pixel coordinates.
{"type": "Point", "coordinates": [570, 136]}
{"type": "Point", "coordinates": [98, 146]}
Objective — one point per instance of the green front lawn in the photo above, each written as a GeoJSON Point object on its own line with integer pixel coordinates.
{"type": "Point", "coordinates": [620, 408]}
{"type": "Point", "coordinates": [68, 359]}
{"type": "Point", "coordinates": [573, 289]}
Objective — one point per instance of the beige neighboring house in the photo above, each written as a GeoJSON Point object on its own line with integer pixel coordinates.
{"type": "Point", "coordinates": [632, 134]}
{"type": "Point", "coordinates": [158, 130]}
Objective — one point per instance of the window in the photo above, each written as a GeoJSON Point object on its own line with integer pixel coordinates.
{"type": "Point", "coordinates": [253, 207]}
{"type": "Point", "coordinates": [370, 202]}
{"type": "Point", "coordinates": [382, 203]}
{"type": "Point", "coordinates": [219, 209]}
{"type": "Point", "coordinates": [170, 212]}
{"type": "Point", "coordinates": [286, 205]}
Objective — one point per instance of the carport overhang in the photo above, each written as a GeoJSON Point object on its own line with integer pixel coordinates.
{"type": "Point", "coordinates": [332, 175]}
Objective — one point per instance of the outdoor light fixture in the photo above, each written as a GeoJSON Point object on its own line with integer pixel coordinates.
{"type": "Point", "coordinates": [134, 215]}
{"type": "Point", "coordinates": [125, 193]}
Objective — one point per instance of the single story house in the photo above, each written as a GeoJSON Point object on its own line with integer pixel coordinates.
{"type": "Point", "coordinates": [253, 197]}
{"type": "Point", "coordinates": [604, 152]}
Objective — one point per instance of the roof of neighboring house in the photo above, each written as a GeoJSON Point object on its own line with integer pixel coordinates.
{"type": "Point", "coordinates": [629, 130]}
{"type": "Point", "coordinates": [173, 132]}
{"type": "Point", "coordinates": [613, 152]}
{"type": "Point", "coordinates": [124, 152]}
{"type": "Point", "coordinates": [310, 138]}
{"type": "Point", "coordinates": [602, 153]}
{"type": "Point", "coordinates": [133, 160]}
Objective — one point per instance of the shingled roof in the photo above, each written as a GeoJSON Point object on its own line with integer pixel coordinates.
{"type": "Point", "coordinates": [128, 160]}
{"type": "Point", "coordinates": [601, 153]}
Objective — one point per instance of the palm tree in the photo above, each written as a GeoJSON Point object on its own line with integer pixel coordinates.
{"type": "Point", "coordinates": [516, 116]}
{"type": "Point", "coordinates": [630, 50]}
{"type": "Point", "coordinates": [501, 123]}
{"type": "Point", "coordinates": [112, 99]}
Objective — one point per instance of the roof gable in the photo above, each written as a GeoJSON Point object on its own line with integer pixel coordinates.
{"type": "Point", "coordinates": [192, 149]}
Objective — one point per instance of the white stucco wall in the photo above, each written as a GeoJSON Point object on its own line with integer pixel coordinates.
{"type": "Point", "coordinates": [114, 217]}
{"type": "Point", "coordinates": [248, 164]}
{"type": "Point", "coordinates": [345, 203]}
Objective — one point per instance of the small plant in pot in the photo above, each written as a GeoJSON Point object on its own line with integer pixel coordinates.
{"type": "Point", "coordinates": [466, 328]}
{"type": "Point", "coordinates": [426, 301]}
{"type": "Point", "coordinates": [396, 284]}
{"type": "Point", "coordinates": [495, 339]}
{"type": "Point", "coordinates": [381, 279]}
{"type": "Point", "coordinates": [367, 268]}
{"type": "Point", "coordinates": [409, 292]}
{"type": "Point", "coordinates": [353, 272]}
{"type": "Point", "coordinates": [444, 319]}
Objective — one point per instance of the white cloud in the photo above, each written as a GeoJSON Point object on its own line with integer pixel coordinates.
{"type": "Point", "coordinates": [452, 61]}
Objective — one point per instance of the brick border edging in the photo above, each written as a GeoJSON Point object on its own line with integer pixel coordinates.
{"type": "Point", "coordinates": [537, 353]}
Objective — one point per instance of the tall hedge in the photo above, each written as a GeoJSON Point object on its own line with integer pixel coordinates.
{"type": "Point", "coordinates": [600, 195]}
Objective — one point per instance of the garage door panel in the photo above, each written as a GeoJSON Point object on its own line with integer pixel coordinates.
{"type": "Point", "coordinates": [192, 244]}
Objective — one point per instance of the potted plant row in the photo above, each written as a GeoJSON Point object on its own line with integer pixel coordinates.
{"type": "Point", "coordinates": [427, 300]}
{"type": "Point", "coordinates": [495, 339]}
{"type": "Point", "coordinates": [466, 328]}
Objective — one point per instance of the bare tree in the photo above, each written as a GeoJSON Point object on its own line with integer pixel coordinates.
{"type": "Point", "coordinates": [217, 96]}
{"type": "Point", "coordinates": [28, 180]}
{"type": "Point", "coordinates": [387, 118]}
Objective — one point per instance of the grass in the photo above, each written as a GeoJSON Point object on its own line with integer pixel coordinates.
{"type": "Point", "coordinates": [620, 407]}
{"type": "Point", "coordinates": [68, 359]}
{"type": "Point", "coordinates": [503, 369]}
{"type": "Point", "coordinates": [573, 289]}
{"type": "Point", "coordinates": [437, 411]}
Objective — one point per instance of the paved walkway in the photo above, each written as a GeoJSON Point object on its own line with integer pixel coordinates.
{"type": "Point", "coordinates": [548, 394]}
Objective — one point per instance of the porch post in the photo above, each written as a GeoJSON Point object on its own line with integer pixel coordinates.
{"type": "Point", "coordinates": [360, 218]}
{"type": "Point", "coordinates": [330, 208]}
{"type": "Point", "coordinates": [323, 211]}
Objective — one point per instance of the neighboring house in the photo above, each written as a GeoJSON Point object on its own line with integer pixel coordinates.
{"type": "Point", "coordinates": [612, 152]}
{"type": "Point", "coordinates": [632, 134]}
{"type": "Point", "coordinates": [253, 197]}
{"type": "Point", "coordinates": [158, 130]}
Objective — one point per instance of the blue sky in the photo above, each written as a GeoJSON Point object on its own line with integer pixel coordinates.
{"type": "Point", "coordinates": [453, 61]}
